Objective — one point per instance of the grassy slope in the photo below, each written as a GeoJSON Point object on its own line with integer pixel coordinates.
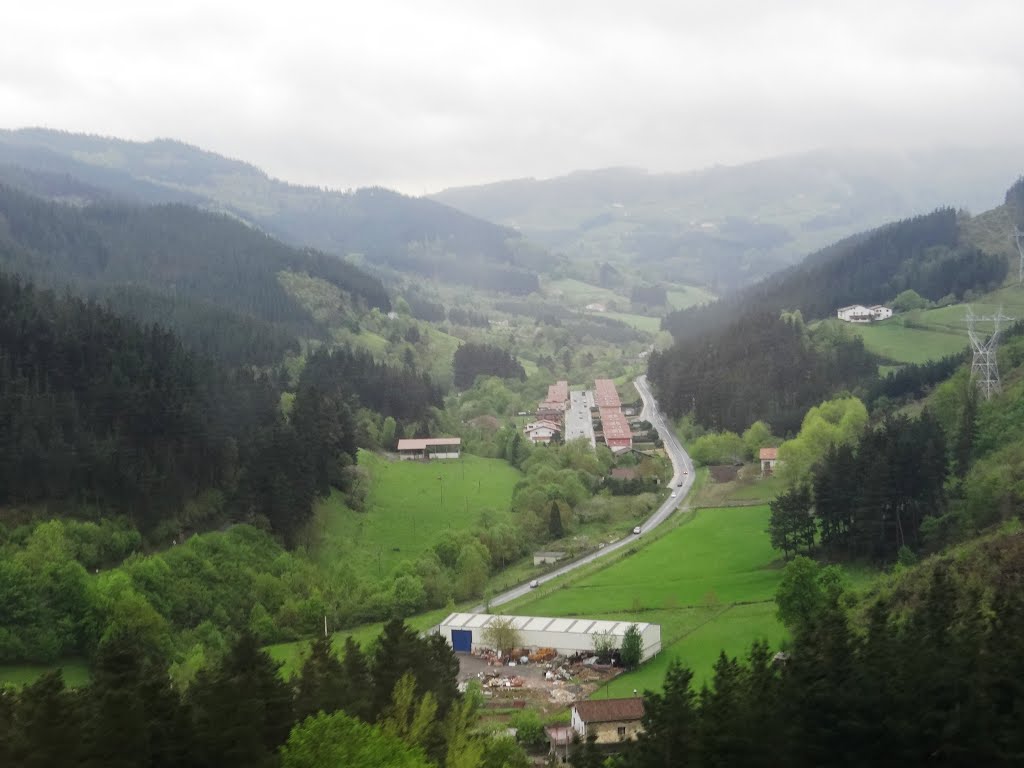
{"type": "Point", "coordinates": [644, 323]}
{"type": "Point", "coordinates": [685, 296]}
{"type": "Point", "coordinates": [410, 504]}
{"type": "Point", "coordinates": [709, 583]}
{"type": "Point", "coordinates": [893, 341]}
{"type": "Point", "coordinates": [291, 655]}
{"type": "Point", "coordinates": [75, 672]}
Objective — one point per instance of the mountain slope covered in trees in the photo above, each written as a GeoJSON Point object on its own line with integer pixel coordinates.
{"type": "Point", "coordinates": [752, 355]}
{"type": "Point", "coordinates": [211, 277]}
{"type": "Point", "coordinates": [388, 230]}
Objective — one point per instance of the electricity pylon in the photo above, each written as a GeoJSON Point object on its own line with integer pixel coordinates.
{"type": "Point", "coordinates": [985, 367]}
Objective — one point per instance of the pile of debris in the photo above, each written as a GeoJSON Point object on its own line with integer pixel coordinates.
{"type": "Point", "coordinates": [543, 654]}
{"type": "Point", "coordinates": [496, 680]}
{"type": "Point", "coordinates": [561, 673]}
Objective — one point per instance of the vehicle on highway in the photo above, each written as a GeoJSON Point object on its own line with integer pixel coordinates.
{"type": "Point", "coordinates": [679, 484]}
{"type": "Point", "coordinates": [636, 530]}
{"type": "Point", "coordinates": [673, 494]}
{"type": "Point", "coordinates": [534, 584]}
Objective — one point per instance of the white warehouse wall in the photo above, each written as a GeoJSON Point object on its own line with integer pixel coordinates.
{"type": "Point", "coordinates": [567, 636]}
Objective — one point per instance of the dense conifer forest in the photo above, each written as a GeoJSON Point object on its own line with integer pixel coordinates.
{"type": "Point", "coordinates": [760, 366]}
{"type": "Point", "coordinates": [182, 254]}
{"type": "Point", "coordinates": [472, 360]}
{"type": "Point", "coordinates": [98, 411]}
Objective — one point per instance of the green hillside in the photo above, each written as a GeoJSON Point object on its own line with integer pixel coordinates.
{"type": "Point", "coordinates": [392, 231]}
{"type": "Point", "coordinates": [709, 581]}
{"type": "Point", "coordinates": [410, 505]}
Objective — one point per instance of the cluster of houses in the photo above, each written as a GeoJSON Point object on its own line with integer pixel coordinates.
{"type": "Point", "coordinates": [550, 416]}
{"type": "Point", "coordinates": [858, 313]}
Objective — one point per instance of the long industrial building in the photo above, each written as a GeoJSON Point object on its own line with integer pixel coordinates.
{"type": "Point", "coordinates": [614, 426]}
{"type": "Point", "coordinates": [465, 632]}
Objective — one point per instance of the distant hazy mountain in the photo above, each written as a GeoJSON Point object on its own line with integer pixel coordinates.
{"type": "Point", "coordinates": [727, 226]}
{"type": "Point", "coordinates": [386, 229]}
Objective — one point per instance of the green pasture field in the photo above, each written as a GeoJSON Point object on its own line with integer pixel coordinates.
{"type": "Point", "coordinates": [1011, 299]}
{"type": "Point", "coordinates": [731, 629]}
{"type": "Point", "coordinates": [896, 342]}
{"type": "Point", "coordinates": [709, 583]}
{"type": "Point", "coordinates": [579, 292]}
{"type": "Point", "coordinates": [644, 323]}
{"type": "Point", "coordinates": [684, 296]}
{"type": "Point", "coordinates": [291, 655]}
{"type": "Point", "coordinates": [410, 504]}
{"type": "Point", "coordinates": [748, 488]}
{"type": "Point", "coordinates": [74, 671]}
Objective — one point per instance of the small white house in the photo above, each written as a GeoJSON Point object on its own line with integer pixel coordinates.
{"type": "Point", "coordinates": [858, 313]}
{"type": "Point", "coordinates": [547, 558]}
{"type": "Point", "coordinates": [541, 431]}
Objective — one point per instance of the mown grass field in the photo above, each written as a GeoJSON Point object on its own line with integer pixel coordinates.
{"type": "Point", "coordinates": [410, 504]}
{"type": "Point", "coordinates": [581, 293]}
{"type": "Point", "coordinates": [644, 323]}
{"type": "Point", "coordinates": [74, 671]}
{"type": "Point", "coordinates": [291, 655]}
{"type": "Point", "coordinates": [684, 296]}
{"type": "Point", "coordinates": [901, 344]}
{"type": "Point", "coordinates": [709, 583]}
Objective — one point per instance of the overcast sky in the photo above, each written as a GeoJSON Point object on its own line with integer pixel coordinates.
{"type": "Point", "coordinates": [421, 95]}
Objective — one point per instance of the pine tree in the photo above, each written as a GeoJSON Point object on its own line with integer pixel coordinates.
{"type": "Point", "coordinates": [555, 528]}
{"type": "Point", "coordinates": [357, 695]}
{"type": "Point", "coordinates": [669, 735]}
{"type": "Point", "coordinates": [44, 730]}
{"type": "Point", "coordinates": [321, 685]}
{"type": "Point", "coordinates": [242, 710]}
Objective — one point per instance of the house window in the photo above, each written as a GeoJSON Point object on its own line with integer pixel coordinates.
{"type": "Point", "coordinates": [622, 731]}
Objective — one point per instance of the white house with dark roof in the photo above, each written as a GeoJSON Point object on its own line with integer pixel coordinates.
{"type": "Point", "coordinates": [542, 431]}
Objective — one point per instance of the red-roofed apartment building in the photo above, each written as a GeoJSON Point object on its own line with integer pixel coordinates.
{"type": "Point", "coordinates": [611, 720]}
{"type": "Point", "coordinates": [553, 407]}
{"type": "Point", "coordinates": [617, 434]}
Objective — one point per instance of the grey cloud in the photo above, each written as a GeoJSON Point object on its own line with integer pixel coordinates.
{"type": "Point", "coordinates": [425, 95]}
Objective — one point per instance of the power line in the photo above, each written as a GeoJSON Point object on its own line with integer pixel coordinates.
{"type": "Point", "coordinates": [1018, 236]}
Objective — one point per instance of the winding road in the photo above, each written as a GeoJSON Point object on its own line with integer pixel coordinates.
{"type": "Point", "coordinates": [682, 476]}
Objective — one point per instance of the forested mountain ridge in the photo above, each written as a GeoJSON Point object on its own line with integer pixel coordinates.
{"type": "Point", "coordinates": [389, 231]}
{"type": "Point", "coordinates": [214, 279]}
{"type": "Point", "coordinates": [725, 227]}
{"type": "Point", "coordinates": [98, 413]}
{"type": "Point", "coordinates": [928, 254]}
